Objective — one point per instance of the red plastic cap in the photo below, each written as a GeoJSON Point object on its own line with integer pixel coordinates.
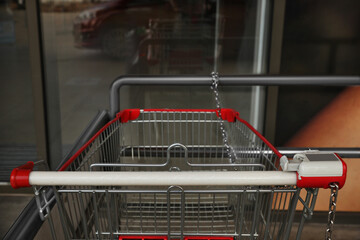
{"type": "Point", "coordinates": [129, 114]}
{"type": "Point", "coordinates": [20, 176]}
{"type": "Point", "coordinates": [323, 182]}
{"type": "Point", "coordinates": [228, 114]}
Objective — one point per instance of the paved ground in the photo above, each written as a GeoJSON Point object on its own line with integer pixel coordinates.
{"type": "Point", "coordinates": [315, 231]}
{"type": "Point", "coordinates": [10, 207]}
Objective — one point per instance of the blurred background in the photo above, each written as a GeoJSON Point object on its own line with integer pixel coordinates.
{"type": "Point", "coordinates": [58, 59]}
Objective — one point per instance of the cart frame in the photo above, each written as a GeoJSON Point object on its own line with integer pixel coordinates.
{"type": "Point", "coordinates": [205, 204]}
{"type": "Point", "coordinates": [29, 221]}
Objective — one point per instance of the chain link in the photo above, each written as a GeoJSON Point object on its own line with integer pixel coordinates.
{"type": "Point", "coordinates": [214, 87]}
{"type": "Point", "coordinates": [334, 188]}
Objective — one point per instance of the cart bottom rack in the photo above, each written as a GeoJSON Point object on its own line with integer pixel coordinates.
{"type": "Point", "coordinates": [163, 174]}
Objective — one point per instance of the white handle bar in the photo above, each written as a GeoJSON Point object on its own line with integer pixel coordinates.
{"type": "Point", "coordinates": [253, 178]}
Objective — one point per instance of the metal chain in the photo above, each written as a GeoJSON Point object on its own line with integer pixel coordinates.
{"type": "Point", "coordinates": [214, 87]}
{"type": "Point", "coordinates": [334, 188]}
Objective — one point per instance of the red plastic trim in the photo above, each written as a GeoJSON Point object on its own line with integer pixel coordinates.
{"type": "Point", "coordinates": [323, 182]}
{"type": "Point", "coordinates": [260, 136]}
{"type": "Point", "coordinates": [20, 176]}
{"type": "Point", "coordinates": [132, 114]}
{"type": "Point", "coordinates": [68, 162]}
{"type": "Point", "coordinates": [124, 116]}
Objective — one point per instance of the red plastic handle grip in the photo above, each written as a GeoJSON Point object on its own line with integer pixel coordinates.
{"type": "Point", "coordinates": [20, 176]}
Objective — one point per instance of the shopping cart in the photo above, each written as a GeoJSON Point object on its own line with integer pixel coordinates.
{"type": "Point", "coordinates": [179, 174]}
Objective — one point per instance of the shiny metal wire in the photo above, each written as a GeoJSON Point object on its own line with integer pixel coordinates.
{"type": "Point", "coordinates": [175, 141]}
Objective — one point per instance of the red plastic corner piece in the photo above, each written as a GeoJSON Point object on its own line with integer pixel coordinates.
{"type": "Point", "coordinates": [228, 114]}
{"type": "Point", "coordinates": [323, 182]}
{"type": "Point", "coordinates": [20, 176]}
{"type": "Point", "coordinates": [128, 114]}
{"type": "Point", "coordinates": [134, 237]}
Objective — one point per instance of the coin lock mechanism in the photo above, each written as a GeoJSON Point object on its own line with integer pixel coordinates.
{"type": "Point", "coordinates": [315, 168]}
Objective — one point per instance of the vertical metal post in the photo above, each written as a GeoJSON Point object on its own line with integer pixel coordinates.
{"type": "Point", "coordinates": [291, 210]}
{"type": "Point", "coordinates": [302, 221]}
{"type": "Point", "coordinates": [51, 86]}
{"type": "Point", "coordinates": [306, 215]}
{"type": "Point", "coordinates": [37, 79]}
{"type": "Point", "coordinates": [45, 90]}
{"type": "Point", "coordinates": [259, 66]}
{"type": "Point", "coordinates": [216, 37]}
{"type": "Point", "coordinates": [278, 18]}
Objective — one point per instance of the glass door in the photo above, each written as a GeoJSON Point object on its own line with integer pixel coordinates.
{"type": "Point", "coordinates": [88, 44]}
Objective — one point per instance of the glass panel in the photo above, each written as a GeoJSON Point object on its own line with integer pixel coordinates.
{"type": "Point", "coordinates": [322, 39]}
{"type": "Point", "coordinates": [17, 139]}
{"type": "Point", "coordinates": [88, 45]}
{"type": "Point", "coordinates": [319, 40]}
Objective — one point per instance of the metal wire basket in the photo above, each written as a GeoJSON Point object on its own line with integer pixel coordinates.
{"type": "Point", "coordinates": [189, 141]}
{"type": "Point", "coordinates": [193, 174]}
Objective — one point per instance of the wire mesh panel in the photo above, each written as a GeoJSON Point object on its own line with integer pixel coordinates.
{"type": "Point", "coordinates": [192, 140]}
{"type": "Point", "coordinates": [108, 213]}
{"type": "Point", "coordinates": [181, 140]}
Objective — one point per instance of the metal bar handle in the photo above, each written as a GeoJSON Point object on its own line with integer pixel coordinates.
{"type": "Point", "coordinates": [259, 80]}
{"type": "Point", "coordinates": [342, 152]}
{"type": "Point", "coordinates": [251, 178]}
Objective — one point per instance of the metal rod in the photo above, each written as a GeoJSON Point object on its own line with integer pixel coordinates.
{"type": "Point", "coordinates": [37, 79]}
{"type": "Point", "coordinates": [342, 152]}
{"type": "Point", "coordinates": [206, 178]}
{"type": "Point", "coordinates": [197, 191]}
{"type": "Point", "coordinates": [215, 151]}
{"type": "Point", "coordinates": [216, 37]}
{"type": "Point", "coordinates": [255, 80]}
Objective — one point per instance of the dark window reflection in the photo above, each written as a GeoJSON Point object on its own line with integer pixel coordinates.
{"type": "Point", "coordinates": [162, 37]}
{"type": "Point", "coordinates": [320, 38]}
{"type": "Point", "coordinates": [17, 131]}
{"type": "Point", "coordinates": [90, 43]}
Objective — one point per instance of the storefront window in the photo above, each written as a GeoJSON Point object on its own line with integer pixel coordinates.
{"type": "Point", "coordinates": [17, 138]}
{"type": "Point", "coordinates": [88, 45]}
